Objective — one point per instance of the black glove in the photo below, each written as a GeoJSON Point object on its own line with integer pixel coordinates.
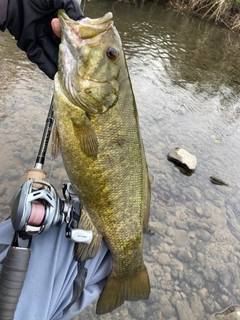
{"type": "Point", "coordinates": [29, 21]}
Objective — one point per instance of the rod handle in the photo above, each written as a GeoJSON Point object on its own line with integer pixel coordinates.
{"type": "Point", "coordinates": [12, 277]}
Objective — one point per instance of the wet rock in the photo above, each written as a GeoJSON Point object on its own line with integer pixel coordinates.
{"type": "Point", "coordinates": [5, 212]}
{"type": "Point", "coordinates": [176, 296]}
{"type": "Point", "coordinates": [168, 240]}
{"type": "Point", "coordinates": [183, 158]}
{"type": "Point", "coordinates": [196, 193]}
{"type": "Point", "coordinates": [159, 213]}
{"type": "Point", "coordinates": [185, 287]}
{"type": "Point", "coordinates": [203, 293]}
{"type": "Point", "coordinates": [158, 227]}
{"type": "Point", "coordinates": [170, 232]}
{"type": "Point", "coordinates": [208, 305]}
{"type": "Point", "coordinates": [165, 248]}
{"type": "Point", "coordinates": [166, 308]}
{"type": "Point", "coordinates": [3, 191]}
{"type": "Point", "coordinates": [157, 270]}
{"type": "Point", "coordinates": [181, 238]}
{"type": "Point", "coordinates": [154, 297]}
{"type": "Point", "coordinates": [174, 274]}
{"type": "Point", "coordinates": [87, 316]}
{"type": "Point", "coordinates": [199, 211]}
{"type": "Point", "coordinates": [225, 300]}
{"type": "Point", "coordinates": [218, 181]}
{"type": "Point", "coordinates": [152, 278]}
{"type": "Point", "coordinates": [197, 281]}
{"type": "Point", "coordinates": [197, 307]}
{"type": "Point", "coordinates": [184, 311]}
{"type": "Point", "coordinates": [217, 307]}
{"type": "Point", "coordinates": [191, 235]}
{"type": "Point", "coordinates": [166, 269]}
{"type": "Point", "coordinates": [27, 155]}
{"type": "Point", "coordinates": [168, 277]}
{"type": "Point", "coordinates": [181, 225]}
{"type": "Point", "coordinates": [166, 285]}
{"type": "Point", "coordinates": [200, 257]}
{"type": "Point", "coordinates": [124, 313]}
{"type": "Point", "coordinates": [203, 235]}
{"type": "Point", "coordinates": [222, 289]}
{"type": "Point", "coordinates": [167, 196]}
{"type": "Point", "coordinates": [160, 317]}
{"type": "Point", "coordinates": [180, 275]}
{"type": "Point", "coordinates": [184, 256]}
{"type": "Point", "coordinates": [210, 317]}
{"type": "Point", "coordinates": [153, 309]}
{"type": "Point", "coordinates": [167, 311]}
{"type": "Point", "coordinates": [196, 225]}
{"type": "Point", "coordinates": [193, 278]}
{"type": "Point", "coordinates": [225, 277]}
{"type": "Point", "coordinates": [210, 275]}
{"type": "Point", "coordinates": [138, 312]}
{"type": "Point", "coordinates": [211, 287]}
{"type": "Point", "coordinates": [163, 259]}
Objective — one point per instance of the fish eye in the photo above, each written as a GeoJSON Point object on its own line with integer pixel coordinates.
{"type": "Point", "coordinates": [112, 53]}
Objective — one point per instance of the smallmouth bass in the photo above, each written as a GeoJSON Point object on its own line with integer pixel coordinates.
{"type": "Point", "coordinates": [97, 131]}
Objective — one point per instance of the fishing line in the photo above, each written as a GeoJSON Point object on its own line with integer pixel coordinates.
{"type": "Point", "coordinates": [37, 214]}
{"type": "Point", "coordinates": [51, 170]}
{"type": "Point", "coordinates": [83, 7]}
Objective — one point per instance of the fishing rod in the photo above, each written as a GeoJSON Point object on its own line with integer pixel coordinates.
{"type": "Point", "coordinates": [35, 208]}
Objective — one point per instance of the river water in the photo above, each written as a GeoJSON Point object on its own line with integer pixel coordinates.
{"type": "Point", "coordinates": [185, 75]}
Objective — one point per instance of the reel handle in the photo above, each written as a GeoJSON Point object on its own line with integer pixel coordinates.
{"type": "Point", "coordinates": [12, 278]}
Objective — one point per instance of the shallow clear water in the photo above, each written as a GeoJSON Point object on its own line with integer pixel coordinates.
{"type": "Point", "coordinates": [185, 75]}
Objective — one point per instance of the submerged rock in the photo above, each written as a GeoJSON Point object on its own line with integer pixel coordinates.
{"type": "Point", "coordinates": [184, 311]}
{"type": "Point", "coordinates": [183, 158]}
{"type": "Point", "coordinates": [218, 181]}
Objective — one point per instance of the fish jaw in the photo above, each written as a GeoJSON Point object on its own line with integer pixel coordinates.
{"type": "Point", "coordinates": [86, 28]}
{"type": "Point", "coordinates": [85, 85]}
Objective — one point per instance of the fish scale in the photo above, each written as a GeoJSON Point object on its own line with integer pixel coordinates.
{"type": "Point", "coordinates": [103, 153]}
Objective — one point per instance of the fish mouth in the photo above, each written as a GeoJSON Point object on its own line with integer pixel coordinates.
{"type": "Point", "coordinates": [86, 28]}
{"type": "Point", "coordinates": [75, 35]}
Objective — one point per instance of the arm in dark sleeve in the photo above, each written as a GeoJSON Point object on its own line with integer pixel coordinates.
{"type": "Point", "coordinates": [29, 21]}
{"type": "Point", "coordinates": [3, 12]}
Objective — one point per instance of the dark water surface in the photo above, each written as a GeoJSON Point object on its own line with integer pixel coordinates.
{"type": "Point", "coordinates": [185, 74]}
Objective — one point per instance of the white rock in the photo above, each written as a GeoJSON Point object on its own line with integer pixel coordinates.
{"type": "Point", "coordinates": [183, 157]}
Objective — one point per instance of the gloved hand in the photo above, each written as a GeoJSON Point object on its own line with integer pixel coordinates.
{"type": "Point", "coordinates": [29, 21]}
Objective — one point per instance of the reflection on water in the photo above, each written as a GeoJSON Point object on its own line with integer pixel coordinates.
{"type": "Point", "coordinates": [186, 78]}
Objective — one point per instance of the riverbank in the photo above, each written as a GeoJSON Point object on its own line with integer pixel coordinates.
{"type": "Point", "coordinates": [225, 12]}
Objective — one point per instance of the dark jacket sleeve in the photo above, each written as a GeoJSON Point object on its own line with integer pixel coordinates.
{"type": "Point", "coordinates": [3, 11]}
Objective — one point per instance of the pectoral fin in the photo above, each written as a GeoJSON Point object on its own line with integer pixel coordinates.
{"type": "Point", "coordinates": [86, 134]}
{"type": "Point", "coordinates": [87, 251]}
